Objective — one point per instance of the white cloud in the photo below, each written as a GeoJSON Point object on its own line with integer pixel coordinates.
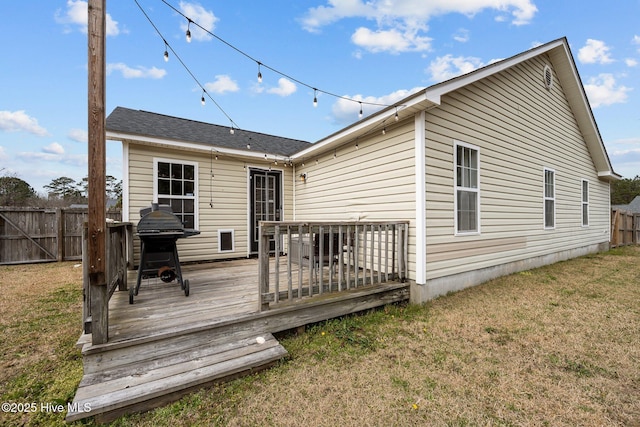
{"type": "Point", "coordinates": [198, 14]}
{"type": "Point", "coordinates": [78, 135]}
{"type": "Point", "coordinates": [462, 35]}
{"type": "Point", "coordinates": [76, 14]}
{"type": "Point", "coordinates": [401, 24]}
{"type": "Point", "coordinates": [222, 84]}
{"type": "Point", "coordinates": [392, 41]}
{"type": "Point", "coordinates": [67, 159]}
{"type": "Point", "coordinates": [603, 90]}
{"type": "Point", "coordinates": [447, 67]}
{"type": "Point", "coordinates": [285, 87]}
{"type": "Point", "coordinates": [594, 52]}
{"type": "Point", "coordinates": [13, 121]}
{"type": "Point", "coordinates": [625, 156]}
{"type": "Point", "coordinates": [630, 62]}
{"type": "Point", "coordinates": [53, 148]}
{"type": "Point", "coordinates": [346, 111]}
{"type": "Point", "coordinates": [636, 40]}
{"type": "Point", "coordinates": [136, 73]}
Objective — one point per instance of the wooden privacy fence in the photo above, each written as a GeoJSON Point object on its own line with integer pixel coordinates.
{"type": "Point", "coordinates": [31, 235]}
{"type": "Point", "coordinates": [328, 257]}
{"type": "Point", "coordinates": [625, 228]}
{"type": "Point", "coordinates": [119, 259]}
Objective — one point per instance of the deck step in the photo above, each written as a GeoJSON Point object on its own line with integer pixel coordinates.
{"type": "Point", "coordinates": [112, 393]}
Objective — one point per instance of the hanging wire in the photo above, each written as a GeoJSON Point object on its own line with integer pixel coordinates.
{"type": "Point", "coordinates": [262, 64]}
{"type": "Point", "coordinates": [233, 124]}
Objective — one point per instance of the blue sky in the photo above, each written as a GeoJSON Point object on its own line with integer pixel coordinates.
{"type": "Point", "coordinates": [375, 51]}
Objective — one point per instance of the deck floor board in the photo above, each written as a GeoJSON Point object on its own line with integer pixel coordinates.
{"type": "Point", "coordinates": [166, 344]}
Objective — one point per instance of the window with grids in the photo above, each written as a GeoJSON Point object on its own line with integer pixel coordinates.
{"type": "Point", "coordinates": [467, 178]}
{"type": "Point", "coordinates": [176, 184]}
{"type": "Point", "coordinates": [549, 198]}
{"type": "Point", "coordinates": [585, 203]}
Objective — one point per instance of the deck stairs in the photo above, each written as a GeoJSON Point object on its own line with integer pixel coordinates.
{"type": "Point", "coordinates": [126, 377]}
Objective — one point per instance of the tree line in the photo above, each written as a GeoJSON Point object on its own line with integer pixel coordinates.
{"type": "Point", "coordinates": [61, 192]}
{"type": "Point", "coordinates": [64, 191]}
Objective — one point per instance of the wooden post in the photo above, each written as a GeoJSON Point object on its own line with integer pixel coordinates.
{"type": "Point", "coordinates": [97, 171]}
{"type": "Point", "coordinates": [60, 233]}
{"type": "Point", "coordinates": [263, 272]}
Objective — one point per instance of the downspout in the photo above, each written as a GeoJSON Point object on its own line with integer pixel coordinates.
{"type": "Point", "coordinates": [125, 182]}
{"type": "Point", "coordinates": [293, 182]}
{"type": "Point", "coordinates": [419, 289]}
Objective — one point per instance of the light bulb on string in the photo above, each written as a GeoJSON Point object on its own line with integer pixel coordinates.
{"type": "Point", "coordinates": [259, 74]}
{"type": "Point", "coordinates": [232, 130]}
{"type": "Point", "coordinates": [202, 100]}
{"type": "Point", "coordinates": [315, 98]}
{"type": "Point", "coordinates": [188, 34]}
{"type": "Point", "coordinates": [360, 114]}
{"type": "Point", "coordinates": [384, 130]}
{"type": "Point", "coordinates": [166, 52]}
{"type": "Point", "coordinates": [396, 116]}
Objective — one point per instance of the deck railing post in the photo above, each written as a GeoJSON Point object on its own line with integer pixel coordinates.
{"type": "Point", "coordinates": [263, 272]}
{"type": "Point", "coordinates": [276, 297]}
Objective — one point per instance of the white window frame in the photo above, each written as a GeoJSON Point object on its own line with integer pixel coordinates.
{"type": "Point", "coordinates": [546, 198]}
{"type": "Point", "coordinates": [457, 188]}
{"type": "Point", "coordinates": [585, 203]}
{"type": "Point", "coordinates": [195, 197]}
{"type": "Point", "coordinates": [233, 240]}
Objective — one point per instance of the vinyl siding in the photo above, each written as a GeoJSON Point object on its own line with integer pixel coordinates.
{"type": "Point", "coordinates": [520, 128]}
{"type": "Point", "coordinates": [227, 191]}
{"type": "Point", "coordinates": [372, 183]}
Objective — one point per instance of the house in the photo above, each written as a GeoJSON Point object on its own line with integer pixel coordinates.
{"type": "Point", "coordinates": [633, 207]}
{"type": "Point", "coordinates": [498, 170]}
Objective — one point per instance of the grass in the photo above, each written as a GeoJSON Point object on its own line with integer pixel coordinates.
{"type": "Point", "coordinates": [552, 346]}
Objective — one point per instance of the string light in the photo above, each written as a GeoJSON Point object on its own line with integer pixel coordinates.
{"type": "Point", "coordinates": [202, 101]}
{"type": "Point", "coordinates": [315, 98]}
{"type": "Point", "coordinates": [232, 130]}
{"type": "Point", "coordinates": [167, 45]}
{"type": "Point", "coordinates": [261, 64]}
{"type": "Point", "coordinates": [360, 115]}
{"type": "Point", "coordinates": [166, 51]}
{"type": "Point", "coordinates": [396, 116]}
{"type": "Point", "coordinates": [189, 31]}
{"type": "Point", "coordinates": [384, 130]}
{"type": "Point", "coordinates": [259, 74]}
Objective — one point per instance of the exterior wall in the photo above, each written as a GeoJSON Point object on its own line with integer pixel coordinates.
{"type": "Point", "coordinates": [229, 195]}
{"type": "Point", "coordinates": [520, 128]}
{"type": "Point", "coordinates": [374, 182]}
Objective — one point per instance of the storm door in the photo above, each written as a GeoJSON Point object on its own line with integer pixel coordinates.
{"type": "Point", "coordinates": [266, 202]}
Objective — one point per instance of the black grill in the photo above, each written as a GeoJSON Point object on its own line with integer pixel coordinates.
{"type": "Point", "coordinates": [159, 229]}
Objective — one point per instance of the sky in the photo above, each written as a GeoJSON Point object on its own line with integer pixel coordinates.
{"type": "Point", "coordinates": [374, 51]}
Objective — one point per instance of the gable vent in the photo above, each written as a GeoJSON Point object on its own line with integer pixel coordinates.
{"type": "Point", "coordinates": [548, 77]}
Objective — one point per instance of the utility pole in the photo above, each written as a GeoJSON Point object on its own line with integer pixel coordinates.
{"type": "Point", "coordinates": [97, 173]}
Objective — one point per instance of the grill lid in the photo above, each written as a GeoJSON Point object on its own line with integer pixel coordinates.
{"type": "Point", "coordinates": [159, 221]}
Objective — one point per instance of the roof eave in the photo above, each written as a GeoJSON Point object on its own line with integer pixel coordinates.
{"type": "Point", "coordinates": [171, 143]}
{"type": "Point", "coordinates": [408, 107]}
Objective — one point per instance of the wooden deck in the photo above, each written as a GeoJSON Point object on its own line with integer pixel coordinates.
{"type": "Point", "coordinates": [166, 345]}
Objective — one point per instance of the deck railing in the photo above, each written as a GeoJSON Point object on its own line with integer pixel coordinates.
{"type": "Point", "coordinates": [310, 259]}
{"type": "Point", "coordinates": [119, 259]}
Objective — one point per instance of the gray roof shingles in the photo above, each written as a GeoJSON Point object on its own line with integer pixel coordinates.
{"type": "Point", "coordinates": [144, 123]}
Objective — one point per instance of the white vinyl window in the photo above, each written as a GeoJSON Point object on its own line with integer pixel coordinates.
{"type": "Point", "coordinates": [467, 188]}
{"type": "Point", "coordinates": [585, 203]}
{"type": "Point", "coordinates": [549, 198]}
{"type": "Point", "coordinates": [175, 184]}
